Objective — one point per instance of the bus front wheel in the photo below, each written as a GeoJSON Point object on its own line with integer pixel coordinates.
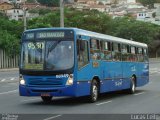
{"type": "Point", "coordinates": [133, 85]}
{"type": "Point", "coordinates": [94, 91]}
{"type": "Point", "coordinates": [46, 98]}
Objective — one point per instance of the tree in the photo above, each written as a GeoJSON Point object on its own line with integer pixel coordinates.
{"type": "Point", "coordinates": [149, 3]}
{"type": "Point", "coordinates": [154, 14]}
{"type": "Point", "coordinates": [93, 20]}
{"type": "Point", "coordinates": [49, 3]}
{"type": "Point", "coordinates": [134, 30]}
{"type": "Point", "coordinates": [31, 1]}
{"type": "Point", "coordinates": [10, 34]}
{"type": "Point", "coordinates": [8, 42]}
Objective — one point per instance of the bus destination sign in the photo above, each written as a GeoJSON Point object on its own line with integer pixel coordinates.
{"type": "Point", "coordinates": [50, 35]}
{"type": "Point", "coordinates": [30, 36]}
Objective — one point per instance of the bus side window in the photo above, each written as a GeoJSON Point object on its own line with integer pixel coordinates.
{"type": "Point", "coordinates": [140, 55]}
{"type": "Point", "coordinates": [106, 53]}
{"type": "Point", "coordinates": [145, 54]}
{"type": "Point", "coordinates": [82, 53]}
{"type": "Point", "coordinates": [95, 49]}
{"type": "Point", "coordinates": [133, 54]}
{"type": "Point", "coordinates": [116, 52]}
{"type": "Point", "coordinates": [126, 56]}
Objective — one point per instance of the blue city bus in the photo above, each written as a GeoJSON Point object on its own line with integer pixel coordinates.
{"type": "Point", "coordinates": [75, 62]}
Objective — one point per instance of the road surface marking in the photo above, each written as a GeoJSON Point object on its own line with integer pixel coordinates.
{"type": "Point", "coordinates": [50, 118]}
{"type": "Point", "coordinates": [30, 99]}
{"type": "Point", "coordinates": [103, 103]}
{"type": "Point", "coordinates": [12, 78]}
{"type": "Point", "coordinates": [3, 80]}
{"type": "Point", "coordinates": [13, 91]}
{"type": "Point", "coordinates": [139, 93]}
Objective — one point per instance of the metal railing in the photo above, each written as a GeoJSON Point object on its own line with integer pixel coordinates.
{"type": "Point", "coordinates": [7, 61]}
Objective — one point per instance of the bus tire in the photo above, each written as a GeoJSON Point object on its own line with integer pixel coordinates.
{"type": "Point", "coordinates": [94, 91]}
{"type": "Point", "coordinates": [46, 99]}
{"type": "Point", "coordinates": [133, 85]}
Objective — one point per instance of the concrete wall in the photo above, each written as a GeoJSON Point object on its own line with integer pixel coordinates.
{"type": "Point", "coordinates": [7, 61]}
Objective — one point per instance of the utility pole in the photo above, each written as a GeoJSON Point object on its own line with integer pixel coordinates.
{"type": "Point", "coordinates": [24, 16]}
{"type": "Point", "coordinates": [61, 13]}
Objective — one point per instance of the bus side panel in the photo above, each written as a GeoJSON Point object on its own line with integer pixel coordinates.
{"type": "Point", "coordinates": [112, 77]}
{"type": "Point", "coordinates": [129, 69]}
{"type": "Point", "coordinates": [83, 88]}
{"type": "Point", "coordinates": [107, 77]}
{"type": "Point", "coordinates": [84, 78]}
{"type": "Point", "coordinates": [143, 76]}
{"type": "Point", "coordinates": [105, 86]}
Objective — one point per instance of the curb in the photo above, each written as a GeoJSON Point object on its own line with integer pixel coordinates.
{"type": "Point", "coordinates": [154, 60]}
{"type": "Point", "coordinates": [7, 70]}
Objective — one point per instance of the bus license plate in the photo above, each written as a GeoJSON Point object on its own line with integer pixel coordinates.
{"type": "Point", "coordinates": [45, 94]}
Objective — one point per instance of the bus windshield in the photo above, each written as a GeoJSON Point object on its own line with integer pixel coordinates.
{"type": "Point", "coordinates": [47, 55]}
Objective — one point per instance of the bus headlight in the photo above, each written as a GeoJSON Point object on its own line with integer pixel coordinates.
{"type": "Point", "coordinates": [70, 80]}
{"type": "Point", "coordinates": [21, 80]}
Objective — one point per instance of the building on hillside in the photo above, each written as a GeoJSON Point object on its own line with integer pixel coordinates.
{"type": "Point", "coordinates": [156, 5]}
{"type": "Point", "coordinates": [13, 1]}
{"type": "Point", "coordinates": [144, 15]}
{"type": "Point", "coordinates": [131, 1]}
{"type": "Point", "coordinates": [16, 1]}
{"type": "Point", "coordinates": [119, 12]}
{"type": "Point", "coordinates": [80, 7]}
{"type": "Point", "coordinates": [134, 5]}
{"type": "Point", "coordinates": [89, 2]}
{"type": "Point", "coordinates": [15, 14]}
{"type": "Point", "coordinates": [157, 9]}
{"type": "Point", "coordinates": [100, 8]}
{"type": "Point", "coordinates": [1, 1]}
{"type": "Point", "coordinates": [18, 14]}
{"type": "Point", "coordinates": [30, 5]}
{"type": "Point", "coordinates": [134, 10]}
{"type": "Point", "coordinates": [118, 1]}
{"type": "Point", "coordinates": [5, 6]}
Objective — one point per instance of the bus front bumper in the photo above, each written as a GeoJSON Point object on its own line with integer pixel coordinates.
{"type": "Point", "coordinates": [50, 91]}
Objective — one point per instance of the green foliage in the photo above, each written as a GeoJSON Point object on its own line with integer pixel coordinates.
{"type": "Point", "coordinates": [134, 30]}
{"type": "Point", "coordinates": [9, 42]}
{"type": "Point", "coordinates": [10, 34]}
{"type": "Point", "coordinates": [44, 11]}
{"type": "Point", "coordinates": [2, 14]}
{"type": "Point", "coordinates": [154, 14]}
{"type": "Point", "coordinates": [31, 1]}
{"type": "Point", "coordinates": [49, 2]}
{"type": "Point", "coordinates": [33, 11]}
{"type": "Point", "coordinates": [40, 11]}
{"type": "Point", "coordinates": [149, 3]}
{"type": "Point", "coordinates": [126, 27]}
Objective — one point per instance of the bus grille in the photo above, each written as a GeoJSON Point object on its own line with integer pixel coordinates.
{"type": "Point", "coordinates": [45, 81]}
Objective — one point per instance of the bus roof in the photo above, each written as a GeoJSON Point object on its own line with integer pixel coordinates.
{"type": "Point", "coordinates": [96, 35]}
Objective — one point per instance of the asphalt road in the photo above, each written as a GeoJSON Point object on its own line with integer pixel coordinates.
{"type": "Point", "coordinates": [10, 75]}
{"type": "Point", "coordinates": [146, 101]}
